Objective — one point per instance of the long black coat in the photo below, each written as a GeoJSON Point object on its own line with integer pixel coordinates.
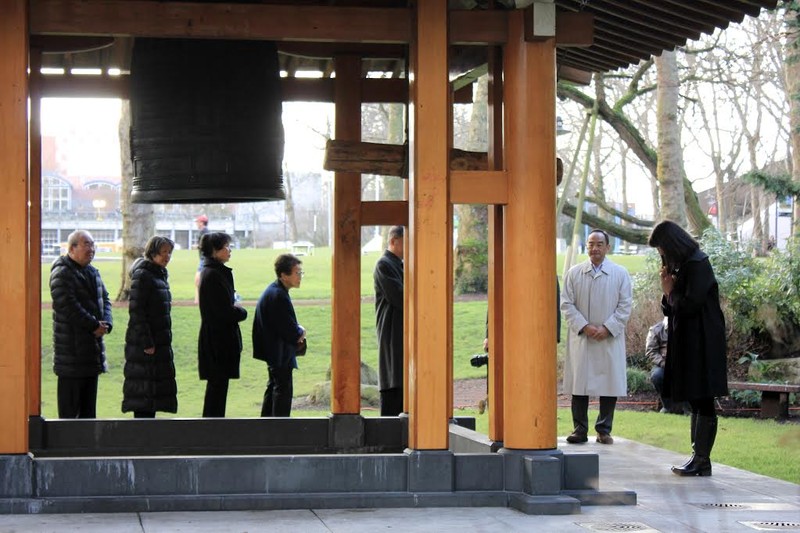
{"type": "Point", "coordinates": [275, 328]}
{"type": "Point", "coordinates": [219, 347]}
{"type": "Point", "coordinates": [149, 379]}
{"type": "Point", "coordinates": [80, 303]}
{"type": "Point", "coordinates": [696, 365]}
{"type": "Point", "coordinates": [388, 279]}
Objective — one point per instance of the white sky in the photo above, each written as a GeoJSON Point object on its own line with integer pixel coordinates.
{"type": "Point", "coordinates": [87, 128]}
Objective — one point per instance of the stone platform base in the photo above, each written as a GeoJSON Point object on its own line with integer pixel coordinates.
{"type": "Point", "coordinates": [78, 472]}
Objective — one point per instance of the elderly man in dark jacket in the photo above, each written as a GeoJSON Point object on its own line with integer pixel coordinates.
{"type": "Point", "coordinates": [81, 317]}
{"type": "Point", "coordinates": [388, 279]}
{"type": "Point", "coordinates": [277, 336]}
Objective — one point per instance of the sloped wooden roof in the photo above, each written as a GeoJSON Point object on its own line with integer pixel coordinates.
{"type": "Point", "coordinates": [627, 31]}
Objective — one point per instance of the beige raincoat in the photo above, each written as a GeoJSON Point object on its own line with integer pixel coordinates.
{"type": "Point", "coordinates": [596, 368]}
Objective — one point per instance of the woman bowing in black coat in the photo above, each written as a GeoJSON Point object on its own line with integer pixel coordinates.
{"type": "Point", "coordinates": [219, 347]}
{"type": "Point", "coordinates": [696, 365]}
{"type": "Point", "coordinates": [149, 368]}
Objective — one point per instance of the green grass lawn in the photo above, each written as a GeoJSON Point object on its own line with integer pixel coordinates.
{"type": "Point", "coordinates": [253, 271]}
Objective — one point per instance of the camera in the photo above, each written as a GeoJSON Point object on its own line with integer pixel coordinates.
{"type": "Point", "coordinates": [479, 360]}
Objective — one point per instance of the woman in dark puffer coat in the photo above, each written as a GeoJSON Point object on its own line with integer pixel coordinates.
{"type": "Point", "coordinates": [149, 367]}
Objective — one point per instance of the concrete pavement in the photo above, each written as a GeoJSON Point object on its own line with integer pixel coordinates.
{"type": "Point", "coordinates": [732, 500]}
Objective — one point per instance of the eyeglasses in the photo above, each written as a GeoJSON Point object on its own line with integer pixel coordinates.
{"type": "Point", "coordinates": [88, 244]}
{"type": "Point", "coordinates": [301, 273]}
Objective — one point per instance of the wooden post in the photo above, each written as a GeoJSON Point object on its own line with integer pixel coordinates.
{"type": "Point", "coordinates": [346, 292]}
{"type": "Point", "coordinates": [429, 246]}
{"type": "Point", "coordinates": [529, 379]}
{"type": "Point", "coordinates": [34, 300]}
{"type": "Point", "coordinates": [495, 320]}
{"type": "Point", "coordinates": [15, 326]}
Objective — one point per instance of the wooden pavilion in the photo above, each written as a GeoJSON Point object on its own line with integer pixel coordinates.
{"type": "Point", "coordinates": [523, 49]}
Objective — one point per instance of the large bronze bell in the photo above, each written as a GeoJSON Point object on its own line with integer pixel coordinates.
{"type": "Point", "coordinates": [206, 121]}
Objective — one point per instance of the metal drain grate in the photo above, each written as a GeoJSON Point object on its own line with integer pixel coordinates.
{"type": "Point", "coordinates": [749, 506]}
{"type": "Point", "coordinates": [723, 506]}
{"type": "Point", "coordinates": [617, 526]}
{"type": "Point", "coordinates": [773, 526]}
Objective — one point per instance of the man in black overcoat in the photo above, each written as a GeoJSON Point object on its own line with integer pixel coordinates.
{"type": "Point", "coordinates": [388, 277]}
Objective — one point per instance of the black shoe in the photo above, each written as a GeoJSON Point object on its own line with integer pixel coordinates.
{"type": "Point", "coordinates": [605, 438]}
{"type": "Point", "coordinates": [577, 437]}
{"type": "Point", "coordinates": [697, 466]}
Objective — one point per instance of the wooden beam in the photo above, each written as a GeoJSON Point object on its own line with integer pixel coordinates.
{"type": "Point", "coordinates": [144, 18]}
{"type": "Point", "coordinates": [34, 299]}
{"type": "Point", "coordinates": [530, 271]}
{"type": "Point", "coordinates": [478, 27]}
{"type": "Point", "coordinates": [429, 264]}
{"type": "Point", "coordinates": [581, 77]}
{"type": "Point", "coordinates": [73, 86]}
{"type": "Point", "coordinates": [384, 213]}
{"type": "Point", "coordinates": [494, 319]}
{"type": "Point", "coordinates": [366, 158]}
{"type": "Point", "coordinates": [574, 29]}
{"type": "Point", "coordinates": [14, 261]}
{"type": "Point", "coordinates": [478, 187]}
{"type": "Point", "coordinates": [62, 44]}
{"type": "Point", "coordinates": [346, 296]}
{"type": "Point", "coordinates": [387, 159]}
{"type": "Point", "coordinates": [373, 90]}
{"type": "Point", "coordinates": [328, 50]}
{"type": "Point", "coordinates": [275, 22]}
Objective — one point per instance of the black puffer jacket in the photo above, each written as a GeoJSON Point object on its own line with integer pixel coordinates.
{"type": "Point", "coordinates": [80, 302]}
{"type": "Point", "coordinates": [219, 347]}
{"type": "Point", "coordinates": [149, 379]}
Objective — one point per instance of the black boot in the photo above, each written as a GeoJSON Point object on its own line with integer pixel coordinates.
{"type": "Point", "coordinates": [693, 429]}
{"type": "Point", "coordinates": [704, 435]}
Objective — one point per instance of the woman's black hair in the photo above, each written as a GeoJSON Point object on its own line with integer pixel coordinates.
{"type": "Point", "coordinates": [211, 242]}
{"type": "Point", "coordinates": [154, 245]}
{"type": "Point", "coordinates": [675, 243]}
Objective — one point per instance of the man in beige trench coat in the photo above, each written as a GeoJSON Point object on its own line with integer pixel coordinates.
{"type": "Point", "coordinates": [596, 302]}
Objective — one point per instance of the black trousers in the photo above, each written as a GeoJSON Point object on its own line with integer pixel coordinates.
{"type": "Point", "coordinates": [280, 389]}
{"type": "Point", "coordinates": [657, 379]}
{"type": "Point", "coordinates": [392, 401]}
{"type": "Point", "coordinates": [580, 414]}
{"type": "Point", "coordinates": [144, 414]}
{"type": "Point", "coordinates": [216, 398]}
{"type": "Point", "coordinates": [77, 397]}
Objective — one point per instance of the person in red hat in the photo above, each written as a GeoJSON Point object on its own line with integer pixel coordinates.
{"type": "Point", "coordinates": [202, 229]}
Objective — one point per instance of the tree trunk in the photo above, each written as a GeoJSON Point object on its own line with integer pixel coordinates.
{"type": "Point", "coordinates": [670, 170]}
{"type": "Point", "coordinates": [758, 228]}
{"type": "Point", "coordinates": [138, 223]}
{"type": "Point", "coordinates": [471, 259]}
{"type": "Point", "coordinates": [290, 224]}
{"type": "Point", "coordinates": [792, 75]}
